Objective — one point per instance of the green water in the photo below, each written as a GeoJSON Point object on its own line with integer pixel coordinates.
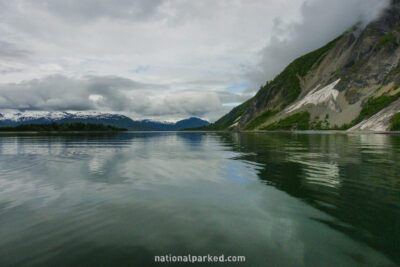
{"type": "Point", "coordinates": [277, 199]}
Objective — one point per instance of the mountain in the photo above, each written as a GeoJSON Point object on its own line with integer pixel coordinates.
{"type": "Point", "coordinates": [191, 123]}
{"type": "Point", "coordinates": [116, 120]}
{"type": "Point", "coordinates": [179, 125]}
{"type": "Point", "coordinates": [351, 83]}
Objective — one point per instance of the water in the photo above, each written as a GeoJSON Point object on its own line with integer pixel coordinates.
{"type": "Point", "coordinates": [277, 199]}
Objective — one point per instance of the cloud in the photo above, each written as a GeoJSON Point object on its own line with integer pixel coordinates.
{"type": "Point", "coordinates": [228, 97]}
{"type": "Point", "coordinates": [6, 70]}
{"type": "Point", "coordinates": [78, 11]}
{"type": "Point", "coordinates": [111, 93]}
{"type": "Point", "coordinates": [58, 92]}
{"type": "Point", "coordinates": [322, 21]}
{"type": "Point", "coordinates": [10, 51]}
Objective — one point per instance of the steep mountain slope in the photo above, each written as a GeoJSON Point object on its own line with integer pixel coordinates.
{"type": "Point", "coordinates": [120, 121]}
{"type": "Point", "coordinates": [352, 79]}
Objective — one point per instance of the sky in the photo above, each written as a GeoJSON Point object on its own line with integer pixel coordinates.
{"type": "Point", "coordinates": [158, 59]}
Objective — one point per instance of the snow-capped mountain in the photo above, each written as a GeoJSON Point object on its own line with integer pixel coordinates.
{"type": "Point", "coordinates": [117, 120]}
{"type": "Point", "coordinates": [50, 116]}
{"type": "Point", "coordinates": [171, 126]}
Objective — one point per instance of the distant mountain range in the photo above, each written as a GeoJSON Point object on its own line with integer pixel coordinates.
{"type": "Point", "coordinates": [117, 120]}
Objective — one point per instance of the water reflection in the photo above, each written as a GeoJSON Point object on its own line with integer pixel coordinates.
{"type": "Point", "coordinates": [278, 199]}
{"type": "Point", "coordinates": [353, 178]}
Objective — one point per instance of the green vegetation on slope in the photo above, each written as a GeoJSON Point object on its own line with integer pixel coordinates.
{"type": "Point", "coordinates": [64, 127]}
{"type": "Point", "coordinates": [387, 40]}
{"type": "Point", "coordinates": [260, 119]}
{"type": "Point", "coordinates": [298, 121]}
{"type": "Point", "coordinates": [395, 123]}
{"type": "Point", "coordinates": [318, 124]}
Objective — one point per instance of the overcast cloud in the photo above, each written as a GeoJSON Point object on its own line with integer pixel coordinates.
{"type": "Point", "coordinates": [160, 59]}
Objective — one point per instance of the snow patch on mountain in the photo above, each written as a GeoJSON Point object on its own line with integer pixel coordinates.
{"type": "Point", "coordinates": [326, 95]}
{"type": "Point", "coordinates": [154, 121]}
{"type": "Point", "coordinates": [28, 115]}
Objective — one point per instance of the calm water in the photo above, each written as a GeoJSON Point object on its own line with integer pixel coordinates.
{"type": "Point", "coordinates": [278, 199]}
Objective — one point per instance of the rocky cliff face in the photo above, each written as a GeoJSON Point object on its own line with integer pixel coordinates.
{"type": "Point", "coordinates": [351, 83]}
